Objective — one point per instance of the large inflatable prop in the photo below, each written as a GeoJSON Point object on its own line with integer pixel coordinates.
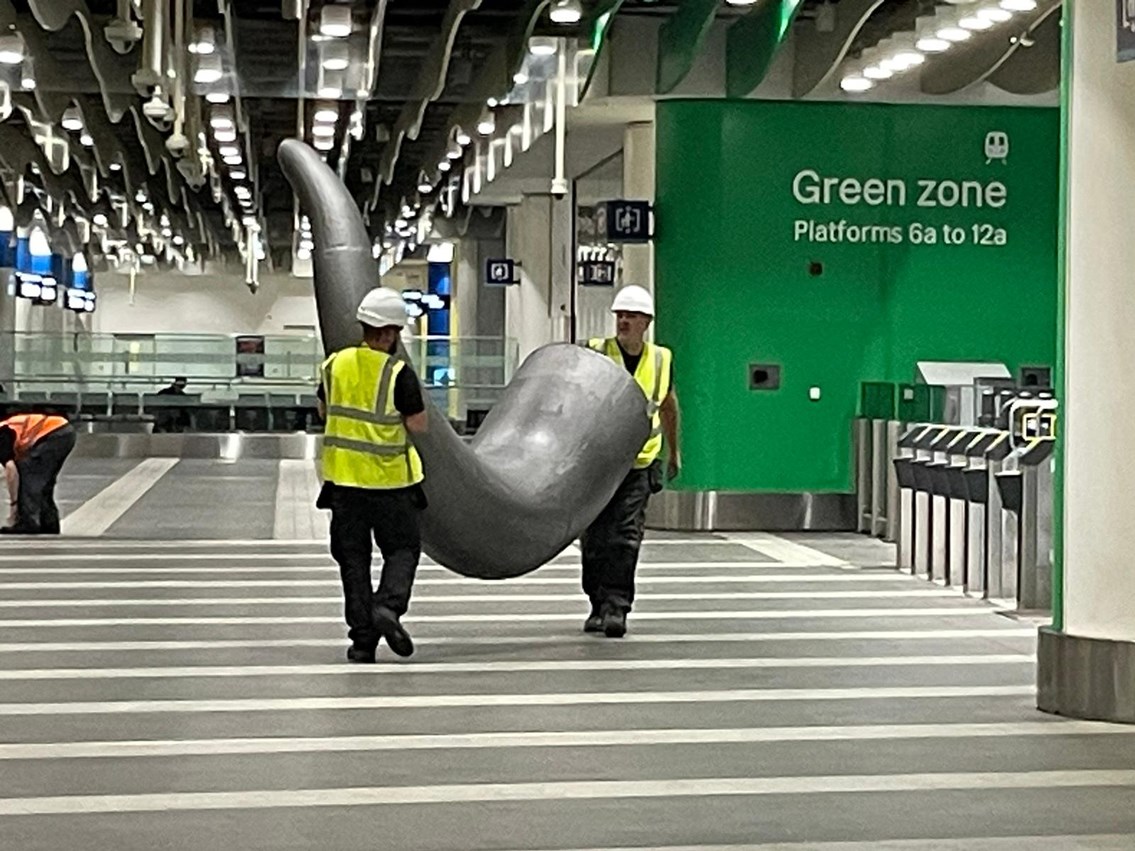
{"type": "Point", "coordinates": [547, 458]}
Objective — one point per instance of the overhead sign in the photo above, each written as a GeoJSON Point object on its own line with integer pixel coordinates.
{"type": "Point", "coordinates": [597, 273]}
{"type": "Point", "coordinates": [500, 273]}
{"type": "Point", "coordinates": [628, 221]}
{"type": "Point", "coordinates": [1125, 29]}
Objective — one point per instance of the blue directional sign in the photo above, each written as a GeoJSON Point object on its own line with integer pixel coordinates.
{"type": "Point", "coordinates": [597, 273]}
{"type": "Point", "coordinates": [500, 273]}
{"type": "Point", "coordinates": [628, 221]}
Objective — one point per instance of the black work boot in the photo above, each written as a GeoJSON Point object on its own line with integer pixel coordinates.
{"type": "Point", "coordinates": [614, 620]}
{"type": "Point", "coordinates": [361, 654]}
{"type": "Point", "coordinates": [594, 622]}
{"type": "Point", "coordinates": [390, 628]}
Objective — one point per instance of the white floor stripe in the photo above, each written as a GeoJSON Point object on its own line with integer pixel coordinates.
{"type": "Point", "coordinates": [314, 559]}
{"type": "Point", "coordinates": [265, 543]}
{"type": "Point", "coordinates": [329, 567]}
{"type": "Point", "coordinates": [849, 784]}
{"type": "Point", "coordinates": [72, 647]}
{"type": "Point", "coordinates": [526, 617]}
{"type": "Point", "coordinates": [462, 582]}
{"type": "Point", "coordinates": [587, 739]}
{"type": "Point", "coordinates": [449, 599]}
{"type": "Point", "coordinates": [297, 518]}
{"type": "Point", "coordinates": [513, 667]}
{"type": "Point", "coordinates": [464, 701]}
{"type": "Point", "coordinates": [1086, 842]}
{"type": "Point", "coordinates": [101, 512]}
{"type": "Point", "coordinates": [782, 549]}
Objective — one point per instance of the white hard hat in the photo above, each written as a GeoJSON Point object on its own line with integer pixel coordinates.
{"type": "Point", "coordinates": [383, 307]}
{"type": "Point", "coordinates": [633, 299]}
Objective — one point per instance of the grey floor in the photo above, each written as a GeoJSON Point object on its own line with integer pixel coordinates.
{"type": "Point", "coordinates": [774, 692]}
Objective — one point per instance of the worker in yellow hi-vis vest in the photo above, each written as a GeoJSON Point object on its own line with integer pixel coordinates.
{"type": "Point", "coordinates": [611, 544]}
{"type": "Point", "coordinates": [372, 403]}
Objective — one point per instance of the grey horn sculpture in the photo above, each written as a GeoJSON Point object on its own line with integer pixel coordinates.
{"type": "Point", "coordinates": [547, 458]}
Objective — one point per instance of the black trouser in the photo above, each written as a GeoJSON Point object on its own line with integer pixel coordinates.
{"type": "Point", "coordinates": [392, 519]}
{"type": "Point", "coordinates": [611, 544]}
{"type": "Point", "coordinates": [39, 471]}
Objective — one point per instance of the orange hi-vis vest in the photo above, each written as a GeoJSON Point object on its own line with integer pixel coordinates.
{"type": "Point", "coordinates": [29, 428]}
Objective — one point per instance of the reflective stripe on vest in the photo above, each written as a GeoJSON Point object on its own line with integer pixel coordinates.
{"type": "Point", "coordinates": [365, 441]}
{"type": "Point", "coordinates": [654, 384]}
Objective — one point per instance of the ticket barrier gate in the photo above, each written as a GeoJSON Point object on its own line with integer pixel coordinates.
{"type": "Point", "coordinates": [948, 493]}
{"type": "Point", "coordinates": [1026, 488]}
{"type": "Point", "coordinates": [975, 508]}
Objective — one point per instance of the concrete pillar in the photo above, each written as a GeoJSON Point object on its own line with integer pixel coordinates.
{"type": "Point", "coordinates": [7, 330]}
{"type": "Point", "coordinates": [638, 185]}
{"type": "Point", "coordinates": [537, 311]}
{"type": "Point", "coordinates": [1087, 659]}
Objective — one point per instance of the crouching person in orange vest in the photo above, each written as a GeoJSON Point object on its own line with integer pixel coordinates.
{"type": "Point", "coordinates": [33, 448]}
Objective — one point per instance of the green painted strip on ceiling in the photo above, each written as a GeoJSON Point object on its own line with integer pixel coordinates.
{"type": "Point", "coordinates": [680, 40]}
{"type": "Point", "coordinates": [752, 43]}
{"type": "Point", "coordinates": [600, 35]}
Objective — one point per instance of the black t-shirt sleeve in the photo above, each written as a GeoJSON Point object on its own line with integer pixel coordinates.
{"type": "Point", "coordinates": [408, 394]}
{"type": "Point", "coordinates": [321, 394]}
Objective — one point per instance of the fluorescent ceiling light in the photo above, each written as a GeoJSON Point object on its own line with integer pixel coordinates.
{"type": "Point", "coordinates": [115, 166]}
{"type": "Point", "coordinates": [72, 121]}
{"type": "Point", "coordinates": [486, 126]}
{"type": "Point", "coordinates": [740, 2]}
{"type": "Point", "coordinates": [331, 92]}
{"type": "Point", "coordinates": [101, 220]}
{"type": "Point", "coordinates": [539, 46]}
{"type": "Point", "coordinates": [225, 136]}
{"type": "Point", "coordinates": [217, 97]}
{"type": "Point", "coordinates": [237, 174]}
{"type": "Point", "coordinates": [335, 21]}
{"type": "Point", "coordinates": [953, 34]}
{"type": "Point", "coordinates": [326, 115]}
{"type": "Point", "coordinates": [975, 22]}
{"type": "Point", "coordinates": [86, 140]}
{"type": "Point", "coordinates": [326, 130]}
{"type": "Point", "coordinates": [463, 138]}
{"type": "Point", "coordinates": [28, 83]}
{"type": "Point", "coordinates": [227, 151]}
{"type": "Point", "coordinates": [932, 44]}
{"type": "Point", "coordinates": [11, 49]}
{"type": "Point", "coordinates": [520, 77]}
{"type": "Point", "coordinates": [995, 14]}
{"type": "Point", "coordinates": [204, 45]}
{"type": "Point", "coordinates": [323, 143]}
{"type": "Point", "coordinates": [220, 121]}
{"type": "Point", "coordinates": [233, 160]}
{"type": "Point", "coordinates": [209, 70]}
{"type": "Point", "coordinates": [907, 59]}
{"type": "Point", "coordinates": [566, 12]}
{"type": "Point", "coordinates": [855, 83]}
{"type": "Point", "coordinates": [425, 187]}
{"type": "Point", "coordinates": [444, 165]}
{"type": "Point", "coordinates": [875, 72]}
{"type": "Point", "coordinates": [1008, 5]}
{"type": "Point", "coordinates": [335, 56]}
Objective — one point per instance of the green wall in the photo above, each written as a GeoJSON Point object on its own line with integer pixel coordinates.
{"type": "Point", "coordinates": [735, 249]}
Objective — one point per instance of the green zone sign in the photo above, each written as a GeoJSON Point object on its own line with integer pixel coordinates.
{"type": "Point", "coordinates": [936, 209]}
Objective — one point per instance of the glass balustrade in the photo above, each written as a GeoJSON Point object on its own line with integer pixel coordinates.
{"type": "Point", "coordinates": [108, 376]}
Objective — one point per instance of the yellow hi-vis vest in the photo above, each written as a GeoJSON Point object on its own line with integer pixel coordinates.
{"type": "Point", "coordinates": [653, 376]}
{"type": "Point", "coordinates": [365, 442]}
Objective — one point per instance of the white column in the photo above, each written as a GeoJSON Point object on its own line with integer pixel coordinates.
{"type": "Point", "coordinates": [7, 329]}
{"type": "Point", "coordinates": [1082, 667]}
{"type": "Point", "coordinates": [539, 238]}
{"type": "Point", "coordinates": [638, 185]}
